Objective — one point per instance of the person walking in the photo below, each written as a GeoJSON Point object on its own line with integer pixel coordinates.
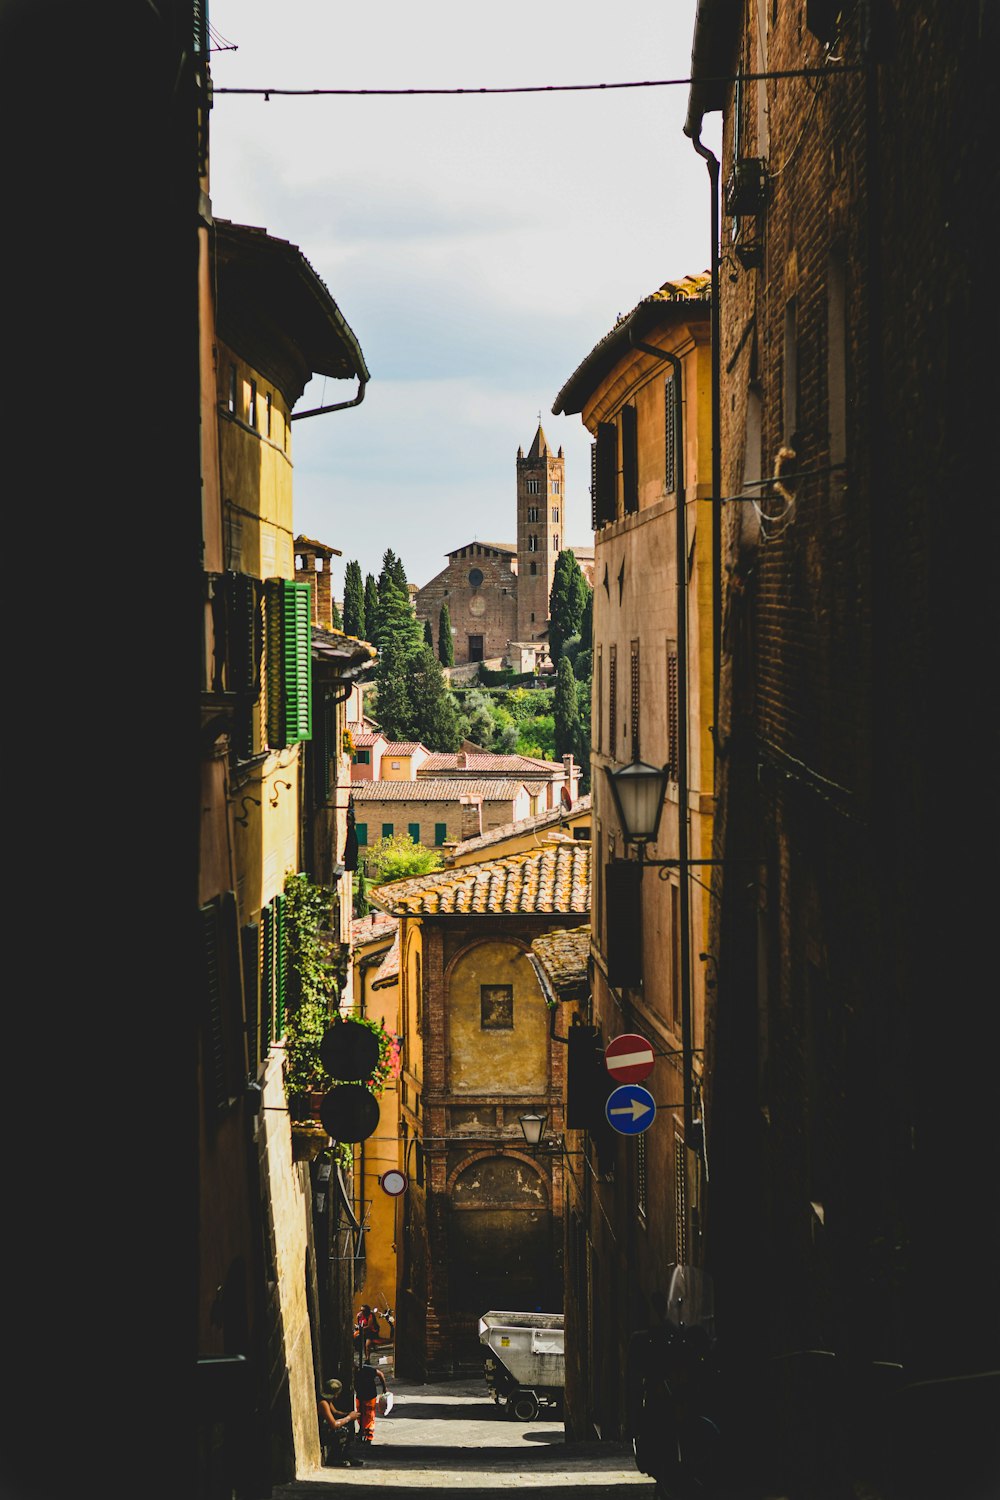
{"type": "Point", "coordinates": [366, 1330]}
{"type": "Point", "coordinates": [367, 1380]}
{"type": "Point", "coordinates": [334, 1428]}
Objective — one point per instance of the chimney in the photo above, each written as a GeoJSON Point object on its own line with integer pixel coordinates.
{"type": "Point", "coordinates": [460, 763]}
{"type": "Point", "coordinates": [472, 817]}
{"type": "Point", "coordinates": [324, 595]}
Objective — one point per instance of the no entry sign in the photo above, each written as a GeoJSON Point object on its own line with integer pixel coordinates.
{"type": "Point", "coordinates": [628, 1058]}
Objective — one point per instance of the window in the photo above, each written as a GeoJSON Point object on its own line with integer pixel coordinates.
{"type": "Point", "coordinates": [612, 697]}
{"type": "Point", "coordinates": [289, 663]}
{"type": "Point", "coordinates": [475, 577]}
{"type": "Point", "coordinates": [533, 570]}
{"type": "Point", "coordinates": [630, 459]}
{"type": "Point", "coordinates": [475, 648]}
{"type": "Point", "coordinates": [244, 658]}
{"type": "Point", "coordinates": [252, 407]}
{"type": "Point", "coordinates": [555, 542]}
{"type": "Point", "coordinates": [605, 474]}
{"type": "Point", "coordinates": [532, 543]}
{"type": "Point", "coordinates": [533, 512]}
{"type": "Point", "coordinates": [672, 721]}
{"type": "Point", "coordinates": [670, 436]}
{"type": "Point", "coordinates": [270, 403]}
{"type": "Point", "coordinates": [555, 512]}
{"type": "Point", "coordinates": [232, 389]}
{"type": "Point", "coordinates": [496, 1007]}
{"type": "Point", "coordinates": [634, 697]}
{"type": "Point", "coordinates": [413, 829]}
{"type": "Point", "coordinates": [599, 697]}
{"type": "Point", "coordinates": [387, 830]}
{"type": "Point", "coordinates": [394, 765]}
{"type": "Point", "coordinates": [362, 757]}
{"type": "Point", "coordinates": [440, 833]}
{"type": "Point", "coordinates": [532, 486]}
{"type": "Point", "coordinates": [361, 829]}
{"type": "Point", "coordinates": [680, 1203]}
{"type": "Point", "coordinates": [555, 487]}
{"type": "Point", "coordinates": [223, 1002]}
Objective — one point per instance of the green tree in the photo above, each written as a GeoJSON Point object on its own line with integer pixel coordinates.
{"type": "Point", "coordinates": [566, 601]}
{"type": "Point", "coordinates": [435, 720]}
{"type": "Point", "coordinates": [354, 601]}
{"type": "Point", "coordinates": [565, 711]}
{"type": "Point", "coordinates": [397, 858]}
{"type": "Point", "coordinates": [446, 644]}
{"type": "Point", "coordinates": [536, 737]}
{"type": "Point", "coordinates": [428, 635]}
{"type": "Point", "coordinates": [400, 640]}
{"type": "Point", "coordinates": [478, 722]}
{"type": "Point", "coordinates": [587, 622]}
{"type": "Point", "coordinates": [335, 618]}
{"type": "Point", "coordinates": [371, 609]}
{"type": "Point", "coordinates": [362, 905]}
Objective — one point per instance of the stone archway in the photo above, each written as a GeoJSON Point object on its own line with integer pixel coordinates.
{"type": "Point", "coordinates": [502, 1239]}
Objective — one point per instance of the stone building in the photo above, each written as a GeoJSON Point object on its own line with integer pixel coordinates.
{"type": "Point", "coordinates": [436, 811]}
{"type": "Point", "coordinates": [497, 593]}
{"type": "Point", "coordinates": [482, 1215]}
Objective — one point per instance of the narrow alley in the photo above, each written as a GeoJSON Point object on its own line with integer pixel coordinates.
{"type": "Point", "coordinates": [451, 1436]}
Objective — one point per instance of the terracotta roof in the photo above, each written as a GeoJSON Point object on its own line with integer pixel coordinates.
{"type": "Point", "coordinates": [560, 959]}
{"type": "Point", "coordinates": [536, 824]}
{"type": "Point", "coordinates": [374, 927]}
{"type": "Point", "coordinates": [322, 549]}
{"type": "Point", "coordinates": [342, 650]}
{"type": "Point", "coordinates": [444, 760]}
{"type": "Point", "coordinates": [365, 737]}
{"type": "Point", "coordinates": [440, 789]}
{"type": "Point", "coordinates": [388, 971]}
{"type": "Point", "coordinates": [402, 747]}
{"type": "Point", "coordinates": [553, 879]}
{"type": "Point", "coordinates": [652, 312]}
{"type": "Point", "coordinates": [504, 547]}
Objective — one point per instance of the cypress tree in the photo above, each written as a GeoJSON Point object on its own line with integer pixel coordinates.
{"type": "Point", "coordinates": [400, 638]}
{"type": "Point", "coordinates": [335, 619]}
{"type": "Point", "coordinates": [371, 610]}
{"type": "Point", "coordinates": [436, 722]}
{"type": "Point", "coordinates": [566, 602]}
{"type": "Point", "coordinates": [446, 645]}
{"type": "Point", "coordinates": [354, 601]}
{"type": "Point", "coordinates": [565, 711]}
{"type": "Point", "coordinates": [428, 635]}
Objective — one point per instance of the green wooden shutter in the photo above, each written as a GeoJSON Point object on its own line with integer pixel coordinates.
{"type": "Point", "coordinates": [440, 832]}
{"type": "Point", "coordinates": [361, 832]}
{"type": "Point", "coordinates": [414, 831]}
{"type": "Point", "coordinates": [297, 662]}
{"type": "Point", "coordinates": [323, 747]}
{"type": "Point", "coordinates": [387, 830]}
{"type": "Point", "coordinates": [266, 978]}
{"type": "Point", "coordinates": [275, 657]}
{"type": "Point", "coordinates": [280, 967]}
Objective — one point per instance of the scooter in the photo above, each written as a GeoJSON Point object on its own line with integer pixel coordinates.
{"type": "Point", "coordinates": [673, 1381]}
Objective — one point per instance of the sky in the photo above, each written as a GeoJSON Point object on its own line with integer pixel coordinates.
{"type": "Point", "coordinates": [478, 246]}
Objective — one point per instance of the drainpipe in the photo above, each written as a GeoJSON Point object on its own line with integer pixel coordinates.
{"type": "Point", "coordinates": [692, 128]}
{"type": "Point", "coordinates": [682, 737]}
{"type": "Point", "coordinates": [319, 411]}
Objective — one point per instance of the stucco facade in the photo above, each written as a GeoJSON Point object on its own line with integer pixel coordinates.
{"type": "Point", "coordinates": [482, 1216]}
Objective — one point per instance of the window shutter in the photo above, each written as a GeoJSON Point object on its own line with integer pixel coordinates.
{"type": "Point", "coordinates": [280, 967]}
{"type": "Point", "coordinates": [266, 978]}
{"type": "Point", "coordinates": [606, 473]}
{"type": "Point", "coordinates": [297, 662]}
{"type": "Point", "coordinates": [630, 459]}
{"type": "Point", "coordinates": [670, 436]}
{"type": "Point", "coordinates": [214, 1063]}
{"type": "Point", "coordinates": [623, 897]}
{"type": "Point", "coordinates": [612, 697]}
{"type": "Point", "coordinates": [593, 487]}
{"type": "Point", "coordinates": [634, 703]}
{"type": "Point", "coordinates": [672, 725]}
{"type": "Point", "coordinates": [250, 938]}
{"type": "Point", "coordinates": [274, 661]}
{"type": "Point", "coordinates": [680, 1202]}
{"type": "Point", "coordinates": [323, 747]}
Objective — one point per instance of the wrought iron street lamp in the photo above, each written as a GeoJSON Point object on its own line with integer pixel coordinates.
{"type": "Point", "coordinates": [532, 1127]}
{"type": "Point", "coordinates": [638, 790]}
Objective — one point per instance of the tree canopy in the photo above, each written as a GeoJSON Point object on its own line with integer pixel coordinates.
{"type": "Point", "coordinates": [565, 710]}
{"type": "Point", "coordinates": [398, 857]}
{"type": "Point", "coordinates": [434, 716]}
{"type": "Point", "coordinates": [446, 644]}
{"type": "Point", "coordinates": [354, 601]}
{"type": "Point", "coordinates": [567, 599]}
{"type": "Point", "coordinates": [371, 609]}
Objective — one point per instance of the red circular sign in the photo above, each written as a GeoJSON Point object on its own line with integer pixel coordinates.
{"type": "Point", "coordinates": [629, 1058]}
{"type": "Point", "coordinates": [393, 1183]}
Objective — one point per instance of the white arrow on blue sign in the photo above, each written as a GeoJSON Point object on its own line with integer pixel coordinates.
{"type": "Point", "coordinates": [630, 1109]}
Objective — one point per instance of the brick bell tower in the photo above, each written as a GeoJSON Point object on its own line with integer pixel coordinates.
{"type": "Point", "coordinates": [541, 510]}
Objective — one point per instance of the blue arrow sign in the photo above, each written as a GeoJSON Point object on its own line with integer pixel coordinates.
{"type": "Point", "coordinates": [630, 1109]}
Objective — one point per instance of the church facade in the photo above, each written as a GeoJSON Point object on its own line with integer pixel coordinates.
{"type": "Point", "coordinates": [497, 593]}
